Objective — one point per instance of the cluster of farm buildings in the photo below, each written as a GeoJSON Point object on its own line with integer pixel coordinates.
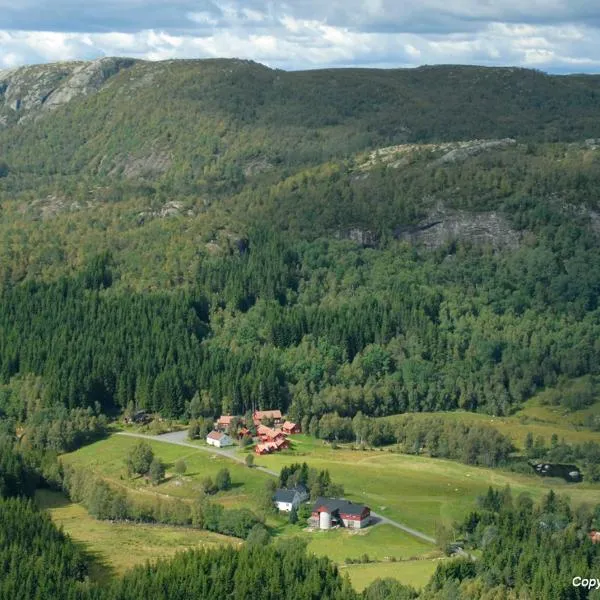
{"type": "Point", "coordinates": [269, 439]}
{"type": "Point", "coordinates": [326, 513]}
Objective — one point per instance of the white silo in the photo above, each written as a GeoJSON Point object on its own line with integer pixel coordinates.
{"type": "Point", "coordinates": [324, 520]}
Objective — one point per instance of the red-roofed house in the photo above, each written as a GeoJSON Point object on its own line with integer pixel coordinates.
{"type": "Point", "coordinates": [260, 415]}
{"type": "Point", "coordinates": [266, 434]}
{"type": "Point", "coordinates": [224, 422]}
{"type": "Point", "coordinates": [595, 536]}
{"type": "Point", "coordinates": [274, 446]}
{"type": "Point", "coordinates": [218, 439]}
{"type": "Point", "coordinates": [289, 428]}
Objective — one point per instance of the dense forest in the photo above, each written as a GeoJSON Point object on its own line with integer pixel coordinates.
{"type": "Point", "coordinates": [318, 327]}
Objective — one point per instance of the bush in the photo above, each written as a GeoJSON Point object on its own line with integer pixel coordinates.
{"type": "Point", "coordinates": [223, 480]}
{"type": "Point", "coordinates": [140, 458]}
{"type": "Point", "coordinates": [156, 472]}
{"type": "Point", "coordinates": [208, 486]}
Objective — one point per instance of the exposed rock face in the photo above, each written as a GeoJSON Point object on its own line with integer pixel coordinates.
{"type": "Point", "coordinates": [28, 91]}
{"type": "Point", "coordinates": [150, 166]}
{"type": "Point", "coordinates": [472, 148]}
{"type": "Point", "coordinates": [398, 156]}
{"type": "Point", "coordinates": [442, 226]}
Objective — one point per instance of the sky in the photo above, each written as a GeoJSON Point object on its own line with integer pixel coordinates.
{"type": "Point", "coordinates": [560, 36]}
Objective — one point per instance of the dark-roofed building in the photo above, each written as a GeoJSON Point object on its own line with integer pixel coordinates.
{"type": "Point", "coordinates": [329, 512]}
{"type": "Point", "coordinates": [286, 499]}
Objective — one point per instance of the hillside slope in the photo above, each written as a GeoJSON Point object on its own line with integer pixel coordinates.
{"type": "Point", "coordinates": [189, 124]}
{"type": "Point", "coordinates": [324, 241]}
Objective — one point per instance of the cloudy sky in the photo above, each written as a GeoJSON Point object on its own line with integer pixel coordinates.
{"type": "Point", "coordinates": [552, 35]}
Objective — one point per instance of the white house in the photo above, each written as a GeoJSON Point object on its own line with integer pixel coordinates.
{"type": "Point", "coordinates": [218, 439]}
{"type": "Point", "coordinates": [285, 500]}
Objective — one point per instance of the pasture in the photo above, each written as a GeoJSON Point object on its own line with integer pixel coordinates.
{"type": "Point", "coordinates": [106, 458]}
{"type": "Point", "coordinates": [411, 572]}
{"type": "Point", "coordinates": [418, 491]}
{"type": "Point", "coordinates": [540, 420]}
{"type": "Point", "coordinates": [116, 547]}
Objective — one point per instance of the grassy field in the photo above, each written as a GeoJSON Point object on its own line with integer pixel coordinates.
{"type": "Point", "coordinates": [106, 458]}
{"type": "Point", "coordinates": [535, 418]}
{"type": "Point", "coordinates": [379, 543]}
{"type": "Point", "coordinates": [417, 491]}
{"type": "Point", "coordinates": [413, 572]}
{"type": "Point", "coordinates": [116, 547]}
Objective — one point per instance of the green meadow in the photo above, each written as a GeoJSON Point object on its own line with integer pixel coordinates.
{"type": "Point", "coordinates": [106, 458]}
{"type": "Point", "coordinates": [379, 543]}
{"type": "Point", "coordinates": [415, 490]}
{"type": "Point", "coordinates": [534, 418]}
{"type": "Point", "coordinates": [418, 491]}
{"type": "Point", "coordinates": [113, 548]}
{"type": "Point", "coordinates": [411, 572]}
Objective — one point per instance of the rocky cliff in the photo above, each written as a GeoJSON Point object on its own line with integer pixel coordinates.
{"type": "Point", "coordinates": [28, 91]}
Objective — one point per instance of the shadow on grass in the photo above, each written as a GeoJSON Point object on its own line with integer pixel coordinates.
{"type": "Point", "coordinates": [99, 569]}
{"type": "Point", "coordinates": [46, 499]}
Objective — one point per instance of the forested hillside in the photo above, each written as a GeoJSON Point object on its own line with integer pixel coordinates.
{"type": "Point", "coordinates": [247, 237]}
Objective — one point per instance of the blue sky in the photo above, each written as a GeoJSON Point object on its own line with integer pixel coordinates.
{"type": "Point", "coordinates": [552, 35]}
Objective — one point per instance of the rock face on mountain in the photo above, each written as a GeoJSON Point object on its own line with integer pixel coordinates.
{"type": "Point", "coordinates": [26, 92]}
{"type": "Point", "coordinates": [444, 225]}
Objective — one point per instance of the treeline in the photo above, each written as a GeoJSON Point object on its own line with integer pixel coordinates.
{"type": "Point", "coordinates": [37, 561]}
{"type": "Point", "coordinates": [318, 483]}
{"type": "Point", "coordinates": [470, 443]}
{"type": "Point", "coordinates": [559, 451]}
{"type": "Point", "coordinates": [270, 572]}
{"type": "Point", "coordinates": [104, 502]}
{"type": "Point", "coordinates": [62, 430]}
{"type": "Point", "coordinates": [528, 550]}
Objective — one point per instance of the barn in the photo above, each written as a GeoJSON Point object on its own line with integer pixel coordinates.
{"type": "Point", "coordinates": [332, 512]}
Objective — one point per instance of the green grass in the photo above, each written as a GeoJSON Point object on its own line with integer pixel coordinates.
{"type": "Point", "coordinates": [539, 420]}
{"type": "Point", "coordinates": [381, 542]}
{"type": "Point", "coordinates": [421, 491]}
{"type": "Point", "coordinates": [106, 458]}
{"type": "Point", "coordinates": [417, 491]}
{"type": "Point", "coordinates": [536, 409]}
{"type": "Point", "coordinates": [414, 572]}
{"type": "Point", "coordinates": [116, 547]}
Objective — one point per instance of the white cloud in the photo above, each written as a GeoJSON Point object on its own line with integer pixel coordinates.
{"type": "Point", "coordinates": [547, 34]}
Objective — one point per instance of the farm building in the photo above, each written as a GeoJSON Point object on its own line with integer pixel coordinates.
{"type": "Point", "coordinates": [266, 434]}
{"type": "Point", "coordinates": [331, 512]}
{"type": "Point", "coordinates": [271, 446]}
{"type": "Point", "coordinates": [218, 439]}
{"type": "Point", "coordinates": [285, 499]}
{"type": "Point", "coordinates": [262, 415]}
{"type": "Point", "coordinates": [224, 422]}
{"type": "Point", "coordinates": [138, 417]}
{"type": "Point", "coordinates": [290, 428]}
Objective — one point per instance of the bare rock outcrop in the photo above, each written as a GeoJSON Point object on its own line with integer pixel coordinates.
{"type": "Point", "coordinates": [28, 92]}
{"type": "Point", "coordinates": [444, 225]}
